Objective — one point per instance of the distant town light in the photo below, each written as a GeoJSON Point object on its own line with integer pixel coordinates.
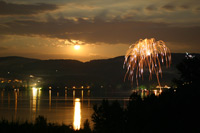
{"type": "Point", "coordinates": [166, 86]}
{"type": "Point", "coordinates": [189, 56]}
{"type": "Point", "coordinates": [88, 87]}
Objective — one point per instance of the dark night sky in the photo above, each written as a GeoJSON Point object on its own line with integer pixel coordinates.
{"type": "Point", "coordinates": [102, 28]}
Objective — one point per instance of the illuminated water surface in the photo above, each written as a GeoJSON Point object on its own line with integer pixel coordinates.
{"type": "Point", "coordinates": [66, 106]}
{"type": "Point", "coordinates": [77, 114]}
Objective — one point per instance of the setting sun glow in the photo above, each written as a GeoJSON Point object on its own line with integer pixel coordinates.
{"type": "Point", "coordinates": [76, 47]}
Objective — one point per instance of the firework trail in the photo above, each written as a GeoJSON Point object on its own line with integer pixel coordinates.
{"type": "Point", "coordinates": [147, 53]}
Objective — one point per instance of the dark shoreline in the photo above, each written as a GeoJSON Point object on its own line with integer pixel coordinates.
{"type": "Point", "coordinates": [40, 126]}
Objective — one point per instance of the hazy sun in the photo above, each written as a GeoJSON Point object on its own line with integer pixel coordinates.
{"type": "Point", "coordinates": [76, 47]}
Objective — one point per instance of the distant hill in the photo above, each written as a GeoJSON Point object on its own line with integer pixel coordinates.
{"type": "Point", "coordinates": [102, 71]}
{"type": "Point", "coordinates": [14, 60]}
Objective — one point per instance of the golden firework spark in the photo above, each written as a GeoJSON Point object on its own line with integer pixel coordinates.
{"type": "Point", "coordinates": [147, 53]}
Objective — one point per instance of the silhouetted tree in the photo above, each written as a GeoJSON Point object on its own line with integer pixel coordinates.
{"type": "Point", "coordinates": [40, 126]}
{"type": "Point", "coordinates": [41, 121]}
{"type": "Point", "coordinates": [189, 69]}
{"type": "Point", "coordinates": [108, 118]}
{"type": "Point", "coordinates": [86, 126]}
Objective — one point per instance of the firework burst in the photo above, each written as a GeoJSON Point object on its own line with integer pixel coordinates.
{"type": "Point", "coordinates": [147, 53]}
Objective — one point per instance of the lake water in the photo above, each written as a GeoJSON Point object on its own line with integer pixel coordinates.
{"type": "Point", "coordinates": [65, 106]}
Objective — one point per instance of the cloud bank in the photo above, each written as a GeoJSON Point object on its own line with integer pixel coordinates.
{"type": "Point", "coordinates": [25, 9]}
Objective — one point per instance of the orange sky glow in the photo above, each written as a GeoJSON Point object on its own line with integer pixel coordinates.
{"type": "Point", "coordinates": [102, 29]}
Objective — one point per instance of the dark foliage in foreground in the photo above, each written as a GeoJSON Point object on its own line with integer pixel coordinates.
{"type": "Point", "coordinates": [174, 111]}
{"type": "Point", "coordinates": [170, 112]}
{"type": "Point", "coordinates": [40, 126]}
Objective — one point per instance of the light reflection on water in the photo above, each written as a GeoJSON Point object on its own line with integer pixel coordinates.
{"type": "Point", "coordinates": [67, 106]}
{"type": "Point", "coordinates": [34, 99]}
{"type": "Point", "coordinates": [77, 114]}
{"type": "Point", "coordinates": [15, 93]}
{"type": "Point", "coordinates": [49, 99]}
